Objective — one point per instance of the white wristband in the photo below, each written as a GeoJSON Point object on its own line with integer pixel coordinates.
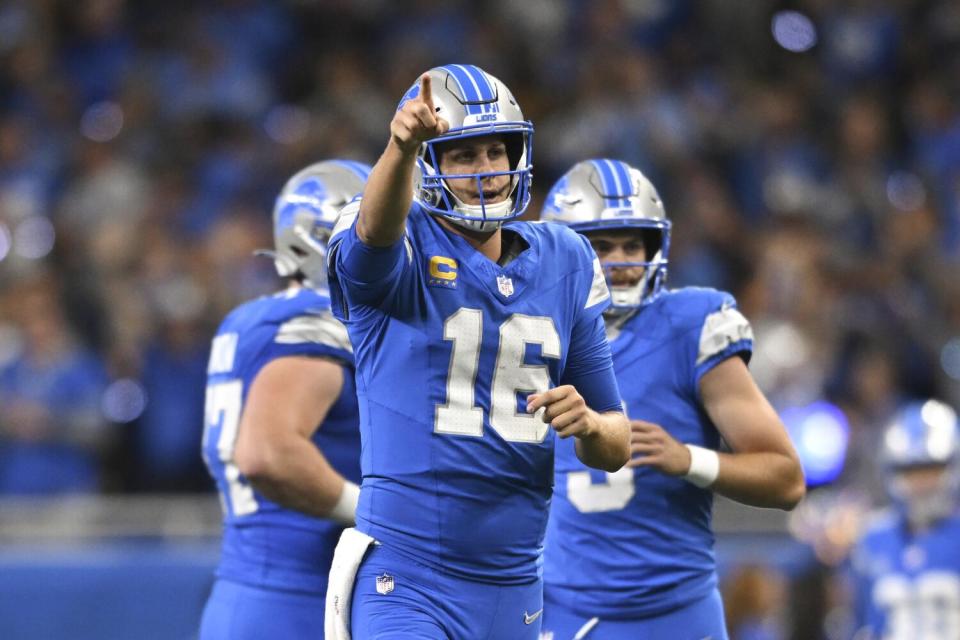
{"type": "Point", "coordinates": [704, 466]}
{"type": "Point", "coordinates": [345, 510]}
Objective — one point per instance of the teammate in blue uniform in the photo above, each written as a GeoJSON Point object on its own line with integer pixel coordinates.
{"type": "Point", "coordinates": [472, 339]}
{"type": "Point", "coordinates": [907, 565]}
{"type": "Point", "coordinates": [629, 554]}
{"type": "Point", "coordinates": [281, 437]}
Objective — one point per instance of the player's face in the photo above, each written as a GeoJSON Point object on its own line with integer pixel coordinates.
{"type": "Point", "coordinates": [622, 245]}
{"type": "Point", "coordinates": [482, 154]}
{"type": "Point", "coordinates": [919, 482]}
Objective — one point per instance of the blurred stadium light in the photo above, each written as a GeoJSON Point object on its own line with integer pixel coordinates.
{"type": "Point", "coordinates": [820, 433]}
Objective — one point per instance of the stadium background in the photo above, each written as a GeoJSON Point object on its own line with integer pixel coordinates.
{"type": "Point", "coordinates": [808, 153]}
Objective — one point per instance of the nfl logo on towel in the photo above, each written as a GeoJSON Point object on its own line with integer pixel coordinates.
{"type": "Point", "coordinates": [505, 285]}
{"type": "Point", "coordinates": [384, 584]}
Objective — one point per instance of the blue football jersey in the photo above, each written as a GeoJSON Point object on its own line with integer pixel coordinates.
{"type": "Point", "coordinates": [637, 542]}
{"type": "Point", "coordinates": [456, 474]}
{"type": "Point", "coordinates": [908, 586]}
{"type": "Point", "coordinates": [265, 544]}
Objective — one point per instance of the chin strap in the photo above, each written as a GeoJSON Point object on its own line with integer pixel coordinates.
{"type": "Point", "coordinates": [628, 296]}
{"type": "Point", "coordinates": [497, 211]}
{"type": "Point", "coordinates": [480, 211]}
{"type": "Point", "coordinates": [476, 225]}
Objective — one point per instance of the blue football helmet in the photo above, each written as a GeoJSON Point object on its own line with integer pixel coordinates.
{"type": "Point", "coordinates": [605, 195]}
{"type": "Point", "coordinates": [474, 103]}
{"type": "Point", "coordinates": [304, 215]}
{"type": "Point", "coordinates": [923, 434]}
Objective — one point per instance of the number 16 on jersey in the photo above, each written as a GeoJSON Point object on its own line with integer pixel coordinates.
{"type": "Point", "coordinates": [511, 376]}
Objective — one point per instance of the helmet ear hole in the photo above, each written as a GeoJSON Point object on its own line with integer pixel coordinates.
{"type": "Point", "coordinates": [430, 196]}
{"type": "Point", "coordinates": [297, 251]}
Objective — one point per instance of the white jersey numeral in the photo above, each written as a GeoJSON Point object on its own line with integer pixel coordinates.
{"type": "Point", "coordinates": [222, 410]}
{"type": "Point", "coordinates": [612, 495]}
{"type": "Point", "coordinates": [459, 416]}
{"type": "Point", "coordinates": [511, 376]}
{"type": "Point", "coordinates": [925, 607]}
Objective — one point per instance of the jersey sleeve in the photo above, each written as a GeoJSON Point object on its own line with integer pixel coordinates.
{"type": "Point", "coordinates": [725, 332]}
{"type": "Point", "coordinates": [313, 335]}
{"type": "Point", "coordinates": [590, 366]}
{"type": "Point", "coordinates": [360, 273]}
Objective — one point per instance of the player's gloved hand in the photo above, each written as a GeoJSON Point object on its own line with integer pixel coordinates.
{"type": "Point", "coordinates": [652, 446]}
{"type": "Point", "coordinates": [416, 121]}
{"type": "Point", "coordinates": [565, 410]}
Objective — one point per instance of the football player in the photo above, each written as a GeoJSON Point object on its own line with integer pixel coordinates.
{"type": "Point", "coordinates": [281, 437]}
{"type": "Point", "coordinates": [906, 567]}
{"type": "Point", "coordinates": [629, 554]}
{"type": "Point", "coordinates": [472, 339]}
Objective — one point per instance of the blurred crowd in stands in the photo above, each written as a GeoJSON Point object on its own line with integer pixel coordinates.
{"type": "Point", "coordinates": [810, 161]}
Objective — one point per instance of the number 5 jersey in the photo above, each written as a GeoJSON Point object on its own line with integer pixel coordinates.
{"type": "Point", "coordinates": [638, 543]}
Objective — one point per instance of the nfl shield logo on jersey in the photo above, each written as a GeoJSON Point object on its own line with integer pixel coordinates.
{"type": "Point", "coordinates": [384, 584]}
{"type": "Point", "coordinates": [505, 285]}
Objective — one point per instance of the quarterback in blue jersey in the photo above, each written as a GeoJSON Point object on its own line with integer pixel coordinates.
{"type": "Point", "coordinates": [472, 339]}
{"type": "Point", "coordinates": [629, 554]}
{"type": "Point", "coordinates": [281, 438]}
{"type": "Point", "coordinates": [906, 567]}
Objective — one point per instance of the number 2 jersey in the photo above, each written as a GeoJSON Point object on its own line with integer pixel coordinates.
{"type": "Point", "coordinates": [264, 544]}
{"type": "Point", "coordinates": [639, 543]}
{"type": "Point", "coordinates": [448, 345]}
{"type": "Point", "coordinates": [907, 585]}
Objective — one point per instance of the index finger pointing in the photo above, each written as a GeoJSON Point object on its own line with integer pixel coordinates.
{"type": "Point", "coordinates": [426, 90]}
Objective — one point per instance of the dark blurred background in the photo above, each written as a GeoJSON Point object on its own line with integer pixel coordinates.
{"type": "Point", "coordinates": [808, 153]}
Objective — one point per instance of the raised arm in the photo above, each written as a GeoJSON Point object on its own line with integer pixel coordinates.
{"type": "Point", "coordinates": [389, 191]}
{"type": "Point", "coordinates": [289, 398]}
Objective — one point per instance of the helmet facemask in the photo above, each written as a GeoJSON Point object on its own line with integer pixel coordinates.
{"type": "Point", "coordinates": [437, 196]}
{"type": "Point", "coordinates": [628, 297]}
{"type": "Point", "coordinates": [312, 250]}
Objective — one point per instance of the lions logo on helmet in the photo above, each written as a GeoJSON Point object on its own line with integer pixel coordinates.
{"type": "Point", "coordinates": [609, 195]}
{"type": "Point", "coordinates": [475, 104]}
{"type": "Point", "coordinates": [304, 215]}
{"type": "Point", "coordinates": [923, 435]}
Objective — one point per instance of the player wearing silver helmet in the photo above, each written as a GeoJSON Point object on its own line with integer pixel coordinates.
{"type": "Point", "coordinates": [474, 336]}
{"type": "Point", "coordinates": [632, 556]}
{"type": "Point", "coordinates": [304, 215]}
{"type": "Point", "coordinates": [281, 438]}
{"type": "Point", "coordinates": [906, 566]}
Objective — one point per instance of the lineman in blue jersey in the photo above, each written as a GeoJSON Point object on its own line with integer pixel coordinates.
{"type": "Point", "coordinates": [907, 565]}
{"type": "Point", "coordinates": [471, 339]}
{"type": "Point", "coordinates": [630, 554]}
{"type": "Point", "coordinates": [281, 437]}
